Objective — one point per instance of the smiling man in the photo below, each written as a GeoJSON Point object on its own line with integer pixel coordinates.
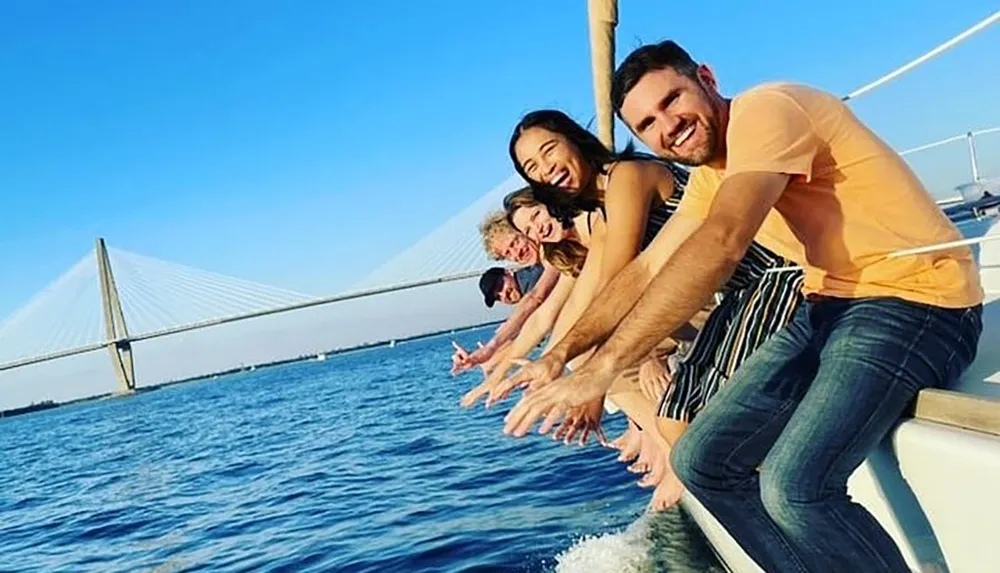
{"type": "Point", "coordinates": [508, 286]}
{"type": "Point", "coordinates": [793, 167]}
{"type": "Point", "coordinates": [503, 242]}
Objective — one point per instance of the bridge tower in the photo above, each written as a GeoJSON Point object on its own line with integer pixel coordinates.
{"type": "Point", "coordinates": [115, 328]}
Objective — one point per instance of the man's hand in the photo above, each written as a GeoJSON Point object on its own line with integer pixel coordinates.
{"type": "Point", "coordinates": [583, 420]}
{"type": "Point", "coordinates": [532, 375]}
{"type": "Point", "coordinates": [463, 360]}
{"type": "Point", "coordinates": [459, 360]}
{"type": "Point", "coordinates": [555, 400]}
{"type": "Point", "coordinates": [486, 388]}
{"type": "Point", "coordinates": [654, 378]}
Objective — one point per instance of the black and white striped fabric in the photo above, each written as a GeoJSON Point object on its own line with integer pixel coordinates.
{"type": "Point", "coordinates": [755, 305]}
{"type": "Point", "coordinates": [660, 213]}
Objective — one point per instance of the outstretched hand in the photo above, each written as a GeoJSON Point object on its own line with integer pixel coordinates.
{"type": "Point", "coordinates": [488, 387]}
{"type": "Point", "coordinates": [583, 420]}
{"type": "Point", "coordinates": [459, 360]}
{"type": "Point", "coordinates": [555, 400]}
{"type": "Point", "coordinates": [531, 376]}
{"type": "Point", "coordinates": [463, 360]}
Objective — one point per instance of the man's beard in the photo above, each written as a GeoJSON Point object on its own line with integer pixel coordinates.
{"type": "Point", "coordinates": [710, 128]}
{"type": "Point", "coordinates": [703, 154]}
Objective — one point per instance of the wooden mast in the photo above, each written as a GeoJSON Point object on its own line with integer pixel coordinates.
{"type": "Point", "coordinates": [603, 17]}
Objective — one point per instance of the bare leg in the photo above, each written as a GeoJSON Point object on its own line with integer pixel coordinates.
{"type": "Point", "coordinates": [668, 488]}
{"type": "Point", "coordinates": [653, 447]}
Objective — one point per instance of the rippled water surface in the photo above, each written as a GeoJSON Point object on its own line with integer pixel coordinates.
{"type": "Point", "coordinates": [363, 462]}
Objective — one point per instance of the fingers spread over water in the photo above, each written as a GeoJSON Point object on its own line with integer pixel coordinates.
{"type": "Point", "coordinates": [503, 388]}
{"type": "Point", "coordinates": [602, 438]}
{"type": "Point", "coordinates": [473, 396]}
{"type": "Point", "coordinates": [574, 427]}
{"type": "Point", "coordinates": [532, 407]}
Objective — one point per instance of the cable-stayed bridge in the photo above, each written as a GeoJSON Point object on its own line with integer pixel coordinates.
{"type": "Point", "coordinates": [112, 299]}
{"type": "Point", "coordinates": [453, 248]}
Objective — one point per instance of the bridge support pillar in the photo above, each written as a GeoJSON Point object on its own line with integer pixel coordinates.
{"type": "Point", "coordinates": [115, 329]}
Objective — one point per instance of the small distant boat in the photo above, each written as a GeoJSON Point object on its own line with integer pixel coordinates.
{"type": "Point", "coordinates": [392, 344]}
{"type": "Point", "coordinates": [320, 357]}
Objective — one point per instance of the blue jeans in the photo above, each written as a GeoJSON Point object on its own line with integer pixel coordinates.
{"type": "Point", "coordinates": [805, 409]}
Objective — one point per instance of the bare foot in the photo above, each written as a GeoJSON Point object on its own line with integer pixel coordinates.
{"type": "Point", "coordinates": [650, 453]}
{"type": "Point", "coordinates": [627, 443]}
{"type": "Point", "coordinates": [656, 450]}
{"type": "Point", "coordinates": [667, 493]}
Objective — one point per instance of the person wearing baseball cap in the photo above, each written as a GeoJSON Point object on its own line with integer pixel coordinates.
{"type": "Point", "coordinates": [508, 286]}
{"type": "Point", "coordinates": [526, 289]}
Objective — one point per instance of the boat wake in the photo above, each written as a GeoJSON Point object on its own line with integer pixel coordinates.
{"type": "Point", "coordinates": [665, 542]}
{"type": "Point", "coordinates": [626, 551]}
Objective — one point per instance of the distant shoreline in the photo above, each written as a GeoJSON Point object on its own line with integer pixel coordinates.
{"type": "Point", "coordinates": [50, 404]}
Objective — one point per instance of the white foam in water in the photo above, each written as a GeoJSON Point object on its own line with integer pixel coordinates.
{"type": "Point", "coordinates": [621, 552]}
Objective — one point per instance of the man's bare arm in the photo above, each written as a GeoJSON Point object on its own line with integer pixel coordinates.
{"type": "Point", "coordinates": [621, 293]}
{"type": "Point", "coordinates": [698, 269]}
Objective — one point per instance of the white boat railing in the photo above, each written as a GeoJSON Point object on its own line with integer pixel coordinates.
{"type": "Point", "coordinates": [916, 62]}
{"type": "Point", "coordinates": [950, 140]}
{"type": "Point", "coordinates": [913, 251]}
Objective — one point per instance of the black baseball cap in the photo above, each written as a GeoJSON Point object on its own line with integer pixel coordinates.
{"type": "Point", "coordinates": [490, 283]}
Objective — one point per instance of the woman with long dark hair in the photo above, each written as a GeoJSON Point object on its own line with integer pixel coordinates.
{"type": "Point", "coordinates": [619, 201]}
{"type": "Point", "coordinates": [571, 171]}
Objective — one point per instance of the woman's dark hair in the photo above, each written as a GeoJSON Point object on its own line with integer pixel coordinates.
{"type": "Point", "coordinates": [591, 148]}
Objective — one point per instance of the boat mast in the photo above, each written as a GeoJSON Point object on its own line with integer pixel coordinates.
{"type": "Point", "coordinates": [972, 156]}
{"type": "Point", "coordinates": [603, 17]}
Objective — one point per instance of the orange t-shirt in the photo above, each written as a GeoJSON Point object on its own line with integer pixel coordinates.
{"type": "Point", "coordinates": [851, 201]}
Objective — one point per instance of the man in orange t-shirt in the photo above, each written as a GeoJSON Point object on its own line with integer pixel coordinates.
{"type": "Point", "coordinates": [794, 168]}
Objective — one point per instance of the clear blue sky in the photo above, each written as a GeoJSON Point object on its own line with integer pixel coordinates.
{"type": "Point", "coordinates": [300, 143]}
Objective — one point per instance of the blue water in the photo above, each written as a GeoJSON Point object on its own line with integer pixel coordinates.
{"type": "Point", "coordinates": [363, 462]}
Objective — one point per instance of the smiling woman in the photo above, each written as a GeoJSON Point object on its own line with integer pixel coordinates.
{"type": "Point", "coordinates": [553, 152]}
{"type": "Point", "coordinates": [563, 234]}
{"type": "Point", "coordinates": [538, 221]}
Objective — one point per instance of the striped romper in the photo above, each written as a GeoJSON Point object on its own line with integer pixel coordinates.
{"type": "Point", "coordinates": [755, 304]}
